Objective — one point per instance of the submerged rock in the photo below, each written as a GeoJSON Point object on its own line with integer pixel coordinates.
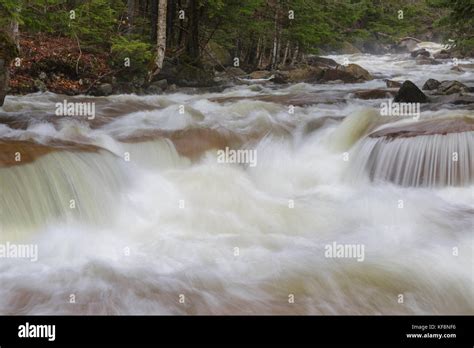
{"type": "Point", "coordinates": [410, 93]}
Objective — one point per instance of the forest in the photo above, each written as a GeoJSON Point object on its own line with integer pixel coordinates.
{"type": "Point", "coordinates": [187, 41]}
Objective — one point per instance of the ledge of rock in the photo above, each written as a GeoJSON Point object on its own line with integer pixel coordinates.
{"type": "Point", "coordinates": [30, 151]}
{"type": "Point", "coordinates": [441, 126]}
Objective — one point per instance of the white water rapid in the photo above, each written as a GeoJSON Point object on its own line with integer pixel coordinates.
{"type": "Point", "coordinates": [150, 214]}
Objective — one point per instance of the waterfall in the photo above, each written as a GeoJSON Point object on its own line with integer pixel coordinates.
{"type": "Point", "coordinates": [62, 186]}
{"type": "Point", "coordinates": [426, 160]}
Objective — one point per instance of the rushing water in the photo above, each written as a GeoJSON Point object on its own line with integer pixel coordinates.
{"type": "Point", "coordinates": [156, 216]}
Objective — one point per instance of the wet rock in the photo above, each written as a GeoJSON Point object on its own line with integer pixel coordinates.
{"type": "Point", "coordinates": [410, 93]}
{"type": "Point", "coordinates": [431, 84]}
{"type": "Point", "coordinates": [374, 94]}
{"type": "Point", "coordinates": [450, 87]}
{"type": "Point", "coordinates": [420, 52]}
{"type": "Point", "coordinates": [393, 84]}
{"type": "Point", "coordinates": [443, 54]}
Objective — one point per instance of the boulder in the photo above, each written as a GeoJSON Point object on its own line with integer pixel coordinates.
{"type": "Point", "coordinates": [420, 52]}
{"type": "Point", "coordinates": [304, 74]}
{"type": "Point", "coordinates": [348, 74]}
{"type": "Point", "coordinates": [450, 87]}
{"type": "Point", "coordinates": [321, 61]}
{"type": "Point", "coordinates": [430, 84]}
{"type": "Point", "coordinates": [410, 93]}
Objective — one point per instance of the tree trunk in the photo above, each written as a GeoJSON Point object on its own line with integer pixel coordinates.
{"type": "Point", "coordinates": [285, 55]}
{"type": "Point", "coordinates": [131, 8]}
{"type": "Point", "coordinates": [8, 51]}
{"type": "Point", "coordinates": [170, 22]}
{"type": "Point", "coordinates": [275, 42]}
{"type": "Point", "coordinates": [192, 43]}
{"type": "Point", "coordinates": [262, 54]}
{"type": "Point", "coordinates": [161, 38]}
{"type": "Point", "coordinates": [154, 20]}
{"type": "Point", "coordinates": [295, 55]}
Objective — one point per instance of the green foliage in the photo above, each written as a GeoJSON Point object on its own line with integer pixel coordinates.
{"type": "Point", "coordinates": [96, 21]}
{"type": "Point", "coordinates": [458, 24]}
{"type": "Point", "coordinates": [139, 53]}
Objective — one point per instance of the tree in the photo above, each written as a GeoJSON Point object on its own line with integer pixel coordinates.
{"type": "Point", "coordinates": [161, 38]}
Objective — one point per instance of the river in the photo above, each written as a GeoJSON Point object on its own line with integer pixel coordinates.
{"type": "Point", "coordinates": [138, 216]}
